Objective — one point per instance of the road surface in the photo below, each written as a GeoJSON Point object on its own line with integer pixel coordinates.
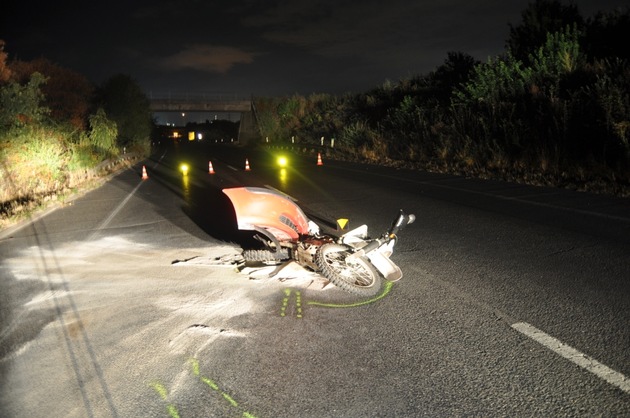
{"type": "Point", "coordinates": [514, 301]}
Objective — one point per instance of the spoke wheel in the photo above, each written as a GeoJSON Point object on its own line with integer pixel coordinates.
{"type": "Point", "coordinates": [358, 277]}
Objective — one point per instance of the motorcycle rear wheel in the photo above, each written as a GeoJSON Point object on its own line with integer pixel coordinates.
{"type": "Point", "coordinates": [266, 256]}
{"type": "Point", "coordinates": [358, 277]}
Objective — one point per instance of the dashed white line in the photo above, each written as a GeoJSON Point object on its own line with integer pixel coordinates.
{"type": "Point", "coordinates": [588, 363]}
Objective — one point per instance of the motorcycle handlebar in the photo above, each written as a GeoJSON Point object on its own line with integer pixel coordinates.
{"type": "Point", "coordinates": [400, 222]}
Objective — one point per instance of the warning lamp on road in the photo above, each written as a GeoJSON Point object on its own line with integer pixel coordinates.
{"type": "Point", "coordinates": [283, 161]}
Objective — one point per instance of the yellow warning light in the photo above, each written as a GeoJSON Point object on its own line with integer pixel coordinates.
{"type": "Point", "coordinates": [342, 224]}
{"type": "Point", "coordinates": [283, 161]}
{"type": "Point", "coordinates": [184, 168]}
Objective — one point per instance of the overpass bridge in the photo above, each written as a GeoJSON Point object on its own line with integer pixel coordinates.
{"type": "Point", "coordinates": [201, 102]}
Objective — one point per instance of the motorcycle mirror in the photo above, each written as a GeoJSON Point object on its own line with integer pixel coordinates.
{"type": "Point", "coordinates": [400, 222]}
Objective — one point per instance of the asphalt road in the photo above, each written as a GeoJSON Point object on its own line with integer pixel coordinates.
{"type": "Point", "coordinates": [514, 301]}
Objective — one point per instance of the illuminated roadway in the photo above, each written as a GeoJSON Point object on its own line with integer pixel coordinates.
{"type": "Point", "coordinates": [515, 300]}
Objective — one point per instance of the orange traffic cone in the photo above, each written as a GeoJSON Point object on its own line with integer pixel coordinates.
{"type": "Point", "coordinates": [319, 159]}
{"type": "Point", "coordinates": [247, 165]}
{"type": "Point", "coordinates": [144, 173]}
{"type": "Point", "coordinates": [210, 169]}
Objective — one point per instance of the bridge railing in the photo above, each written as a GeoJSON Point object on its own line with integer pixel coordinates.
{"type": "Point", "coordinates": [197, 96]}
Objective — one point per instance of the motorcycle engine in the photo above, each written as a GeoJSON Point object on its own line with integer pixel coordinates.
{"type": "Point", "coordinates": [306, 249]}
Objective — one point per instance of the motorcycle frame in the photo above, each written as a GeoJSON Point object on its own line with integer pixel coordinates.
{"type": "Point", "coordinates": [283, 222]}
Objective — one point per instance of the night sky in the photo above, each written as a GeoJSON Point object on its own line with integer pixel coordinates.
{"type": "Point", "coordinates": [260, 47]}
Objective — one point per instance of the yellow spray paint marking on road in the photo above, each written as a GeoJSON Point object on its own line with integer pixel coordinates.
{"type": "Point", "coordinates": [161, 390]}
{"type": "Point", "coordinates": [285, 303]}
{"type": "Point", "coordinates": [299, 306]}
{"type": "Point", "coordinates": [386, 290]}
{"type": "Point", "coordinates": [195, 367]}
{"type": "Point", "coordinates": [229, 399]}
{"type": "Point", "coordinates": [210, 383]}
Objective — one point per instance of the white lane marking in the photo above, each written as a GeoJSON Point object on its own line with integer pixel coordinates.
{"type": "Point", "coordinates": [106, 222]}
{"type": "Point", "coordinates": [232, 168]}
{"type": "Point", "coordinates": [588, 363]}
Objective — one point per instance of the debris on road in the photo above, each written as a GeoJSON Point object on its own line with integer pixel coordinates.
{"type": "Point", "coordinates": [291, 270]}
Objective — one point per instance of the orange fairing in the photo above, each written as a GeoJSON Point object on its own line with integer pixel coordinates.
{"type": "Point", "coordinates": [264, 208]}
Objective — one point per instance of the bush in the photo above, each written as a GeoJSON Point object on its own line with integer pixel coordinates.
{"type": "Point", "coordinates": [101, 138]}
{"type": "Point", "coordinates": [20, 104]}
{"type": "Point", "coordinates": [34, 160]}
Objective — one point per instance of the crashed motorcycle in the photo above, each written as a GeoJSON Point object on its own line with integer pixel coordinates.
{"type": "Point", "coordinates": [351, 261]}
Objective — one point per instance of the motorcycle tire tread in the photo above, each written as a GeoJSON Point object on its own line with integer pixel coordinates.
{"type": "Point", "coordinates": [330, 273]}
{"type": "Point", "coordinates": [265, 255]}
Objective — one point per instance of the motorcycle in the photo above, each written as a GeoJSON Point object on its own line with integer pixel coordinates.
{"type": "Point", "coordinates": [352, 261]}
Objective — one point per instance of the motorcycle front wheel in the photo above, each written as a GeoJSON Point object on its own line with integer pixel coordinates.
{"type": "Point", "coordinates": [358, 277]}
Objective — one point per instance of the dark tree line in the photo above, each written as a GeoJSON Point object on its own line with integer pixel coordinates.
{"type": "Point", "coordinates": [55, 125]}
{"type": "Point", "coordinates": [67, 97]}
{"type": "Point", "coordinates": [554, 108]}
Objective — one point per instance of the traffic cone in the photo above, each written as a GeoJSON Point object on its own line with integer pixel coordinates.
{"type": "Point", "coordinates": [210, 169]}
{"type": "Point", "coordinates": [144, 173]}
{"type": "Point", "coordinates": [319, 159]}
{"type": "Point", "coordinates": [247, 165]}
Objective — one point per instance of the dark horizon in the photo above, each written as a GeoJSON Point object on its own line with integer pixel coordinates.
{"type": "Point", "coordinates": [261, 49]}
